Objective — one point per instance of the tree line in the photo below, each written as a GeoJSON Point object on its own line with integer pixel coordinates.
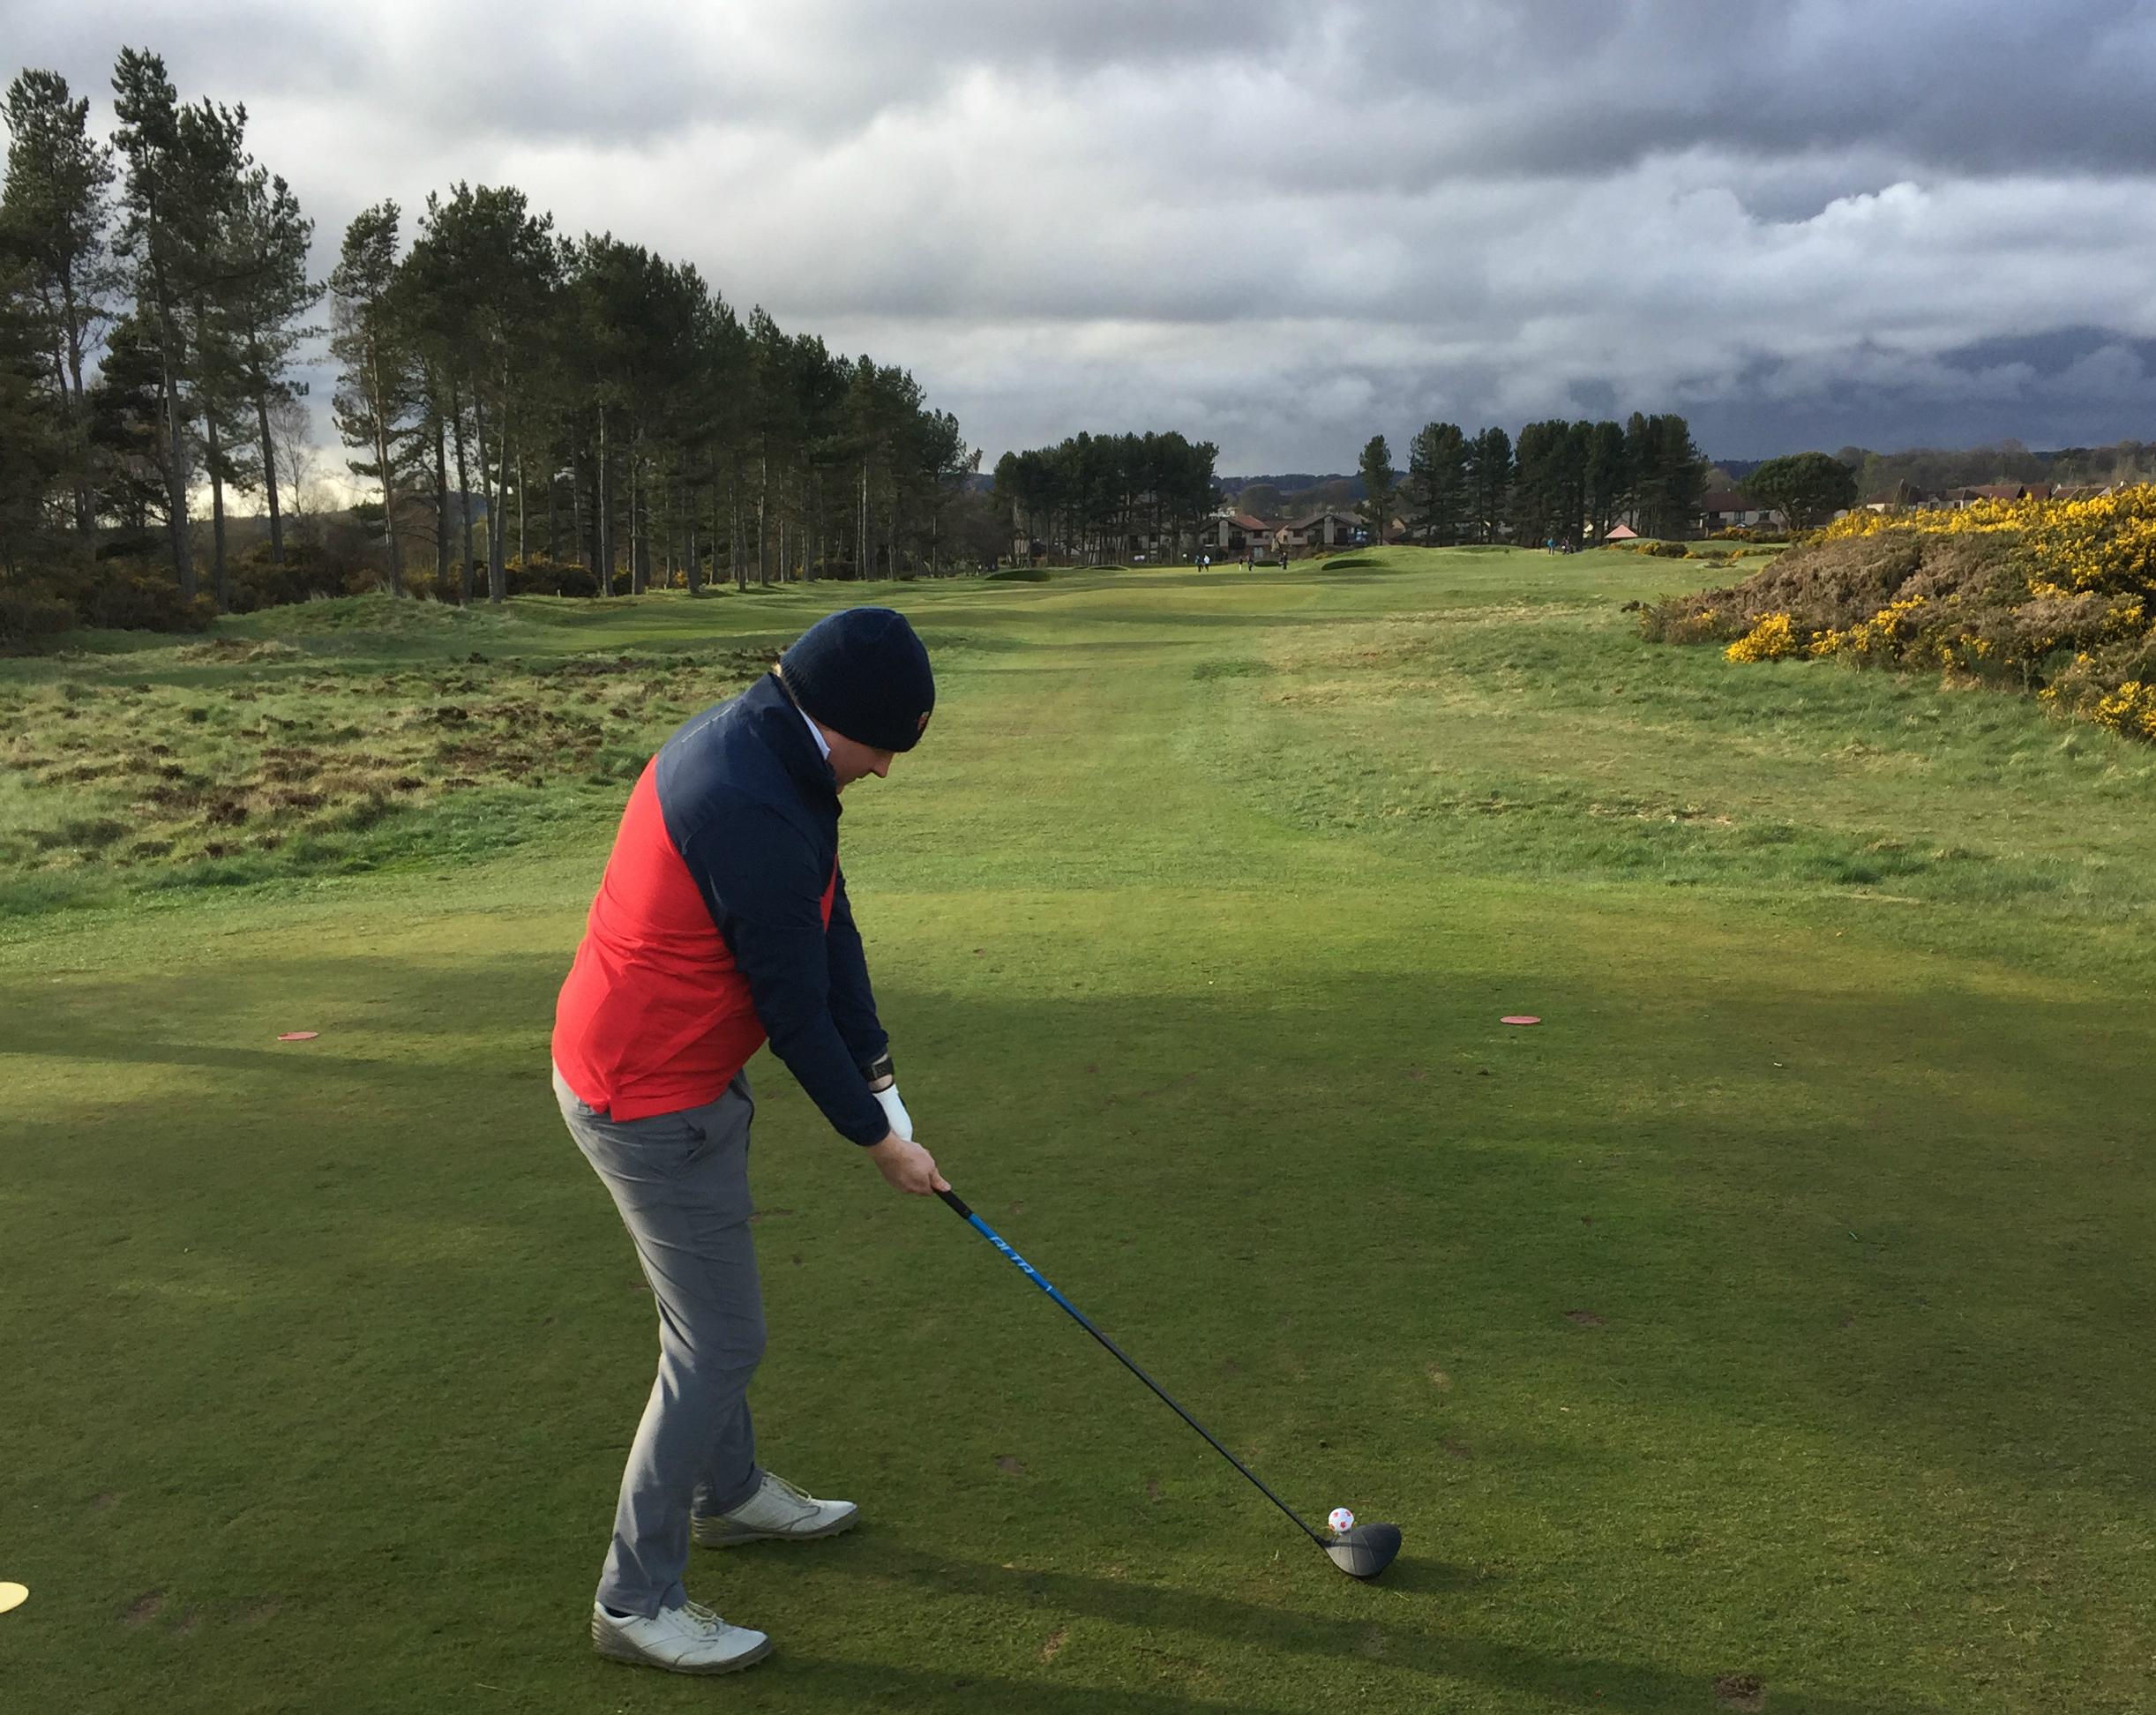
{"type": "Point", "coordinates": [1560, 481]}
{"type": "Point", "coordinates": [1935, 469]}
{"type": "Point", "coordinates": [595, 403]}
{"type": "Point", "coordinates": [1091, 495]}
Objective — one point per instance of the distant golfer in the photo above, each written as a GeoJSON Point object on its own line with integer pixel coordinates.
{"type": "Point", "coordinates": [722, 922]}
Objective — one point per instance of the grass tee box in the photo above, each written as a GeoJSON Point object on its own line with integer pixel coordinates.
{"type": "Point", "coordinates": [1763, 1329]}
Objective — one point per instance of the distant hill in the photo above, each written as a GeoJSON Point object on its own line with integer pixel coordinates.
{"type": "Point", "coordinates": [1290, 496]}
{"type": "Point", "coordinates": [1933, 469]}
{"type": "Point", "coordinates": [1289, 484]}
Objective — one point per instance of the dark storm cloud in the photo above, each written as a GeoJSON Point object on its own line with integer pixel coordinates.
{"type": "Point", "coordinates": [1543, 86]}
{"type": "Point", "coordinates": [1286, 226]}
{"type": "Point", "coordinates": [1557, 85]}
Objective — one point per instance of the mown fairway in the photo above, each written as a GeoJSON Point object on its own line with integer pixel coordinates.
{"type": "Point", "coordinates": [1778, 1307]}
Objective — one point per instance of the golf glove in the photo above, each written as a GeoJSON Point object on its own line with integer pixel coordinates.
{"type": "Point", "coordinates": [894, 1111]}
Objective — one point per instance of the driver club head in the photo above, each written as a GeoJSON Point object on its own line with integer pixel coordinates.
{"type": "Point", "coordinates": [1366, 1550]}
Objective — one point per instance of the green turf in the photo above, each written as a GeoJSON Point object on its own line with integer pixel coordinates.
{"type": "Point", "coordinates": [1777, 1308]}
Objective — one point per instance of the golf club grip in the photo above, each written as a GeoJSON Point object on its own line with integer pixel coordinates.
{"type": "Point", "coordinates": [955, 1201]}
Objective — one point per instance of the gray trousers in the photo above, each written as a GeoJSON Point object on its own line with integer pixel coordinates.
{"type": "Point", "coordinates": [681, 1181]}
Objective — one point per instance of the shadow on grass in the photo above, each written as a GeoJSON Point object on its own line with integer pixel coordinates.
{"type": "Point", "coordinates": [1946, 1233]}
{"type": "Point", "coordinates": [853, 1685]}
{"type": "Point", "coordinates": [1403, 1612]}
{"type": "Point", "coordinates": [350, 1147]}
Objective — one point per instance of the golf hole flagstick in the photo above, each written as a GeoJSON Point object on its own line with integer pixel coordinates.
{"type": "Point", "coordinates": [1362, 1551]}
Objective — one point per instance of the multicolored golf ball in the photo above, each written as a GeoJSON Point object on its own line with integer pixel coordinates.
{"type": "Point", "coordinates": [1341, 1521]}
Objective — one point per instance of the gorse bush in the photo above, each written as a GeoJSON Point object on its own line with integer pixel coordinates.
{"type": "Point", "coordinates": [1771, 639]}
{"type": "Point", "coordinates": [306, 575]}
{"type": "Point", "coordinates": [1657, 550]}
{"type": "Point", "coordinates": [128, 594]}
{"type": "Point", "coordinates": [2058, 597]}
{"type": "Point", "coordinates": [542, 576]}
{"type": "Point", "coordinates": [29, 617]}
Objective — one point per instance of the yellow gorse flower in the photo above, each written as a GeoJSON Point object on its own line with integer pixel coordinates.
{"type": "Point", "coordinates": [2130, 709]}
{"type": "Point", "coordinates": [1771, 639]}
{"type": "Point", "coordinates": [2082, 572]}
{"type": "Point", "coordinates": [2107, 542]}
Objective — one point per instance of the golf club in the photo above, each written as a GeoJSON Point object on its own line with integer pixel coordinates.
{"type": "Point", "coordinates": [1361, 1552]}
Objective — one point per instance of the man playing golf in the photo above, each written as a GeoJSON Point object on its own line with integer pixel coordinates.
{"type": "Point", "coordinates": [722, 923]}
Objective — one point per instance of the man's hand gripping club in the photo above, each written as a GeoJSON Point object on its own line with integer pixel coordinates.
{"type": "Point", "coordinates": [905, 1165]}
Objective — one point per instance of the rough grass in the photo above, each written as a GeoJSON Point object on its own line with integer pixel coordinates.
{"type": "Point", "coordinates": [1505, 741]}
{"type": "Point", "coordinates": [1760, 1329]}
{"type": "Point", "coordinates": [282, 763]}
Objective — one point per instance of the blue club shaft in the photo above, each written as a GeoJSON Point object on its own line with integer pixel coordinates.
{"type": "Point", "coordinates": [1121, 1356]}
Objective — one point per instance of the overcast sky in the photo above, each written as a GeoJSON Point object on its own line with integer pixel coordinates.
{"type": "Point", "coordinates": [1287, 226]}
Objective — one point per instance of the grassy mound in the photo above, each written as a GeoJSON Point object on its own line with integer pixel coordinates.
{"type": "Point", "coordinates": [245, 757]}
{"type": "Point", "coordinates": [2053, 597]}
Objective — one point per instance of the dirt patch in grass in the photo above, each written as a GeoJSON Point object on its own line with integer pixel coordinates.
{"type": "Point", "coordinates": [1744, 1691]}
{"type": "Point", "coordinates": [1586, 1319]}
{"type": "Point", "coordinates": [226, 650]}
{"type": "Point", "coordinates": [144, 1608]}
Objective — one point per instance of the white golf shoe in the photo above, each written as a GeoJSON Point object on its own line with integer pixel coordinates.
{"type": "Point", "coordinates": [777, 1512]}
{"type": "Point", "coordinates": [689, 1639]}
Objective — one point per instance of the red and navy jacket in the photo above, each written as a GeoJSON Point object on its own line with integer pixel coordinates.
{"type": "Point", "coordinates": [722, 921]}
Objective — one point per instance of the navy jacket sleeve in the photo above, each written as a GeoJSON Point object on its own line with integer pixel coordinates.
{"type": "Point", "coordinates": [759, 877]}
{"type": "Point", "coordinates": [853, 1004]}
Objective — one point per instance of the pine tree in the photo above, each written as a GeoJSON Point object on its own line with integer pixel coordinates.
{"type": "Point", "coordinates": [481, 283]}
{"type": "Point", "coordinates": [1436, 485]}
{"type": "Point", "coordinates": [376, 391]}
{"type": "Point", "coordinates": [34, 439]}
{"type": "Point", "coordinates": [1378, 485]}
{"type": "Point", "coordinates": [55, 213]}
{"type": "Point", "coordinates": [126, 427]}
{"type": "Point", "coordinates": [1608, 476]}
{"type": "Point", "coordinates": [266, 243]}
{"type": "Point", "coordinates": [1489, 478]}
{"type": "Point", "coordinates": [1668, 473]}
{"type": "Point", "coordinates": [213, 162]}
{"type": "Point", "coordinates": [162, 234]}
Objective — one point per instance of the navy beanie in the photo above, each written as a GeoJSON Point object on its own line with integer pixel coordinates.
{"type": "Point", "coordinates": [864, 673]}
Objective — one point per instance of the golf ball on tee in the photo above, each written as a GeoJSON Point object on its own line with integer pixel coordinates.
{"type": "Point", "coordinates": [1341, 1519]}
